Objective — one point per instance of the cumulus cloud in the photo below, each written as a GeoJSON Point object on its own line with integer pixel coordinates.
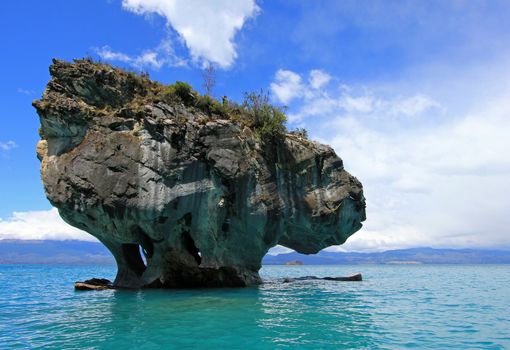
{"type": "Point", "coordinates": [7, 146]}
{"type": "Point", "coordinates": [155, 58]}
{"type": "Point", "coordinates": [318, 78]}
{"type": "Point", "coordinates": [444, 185]}
{"type": "Point", "coordinates": [286, 86]}
{"type": "Point", "coordinates": [208, 28]}
{"type": "Point", "coordinates": [316, 100]}
{"type": "Point", "coordinates": [38, 225]}
{"type": "Point", "coordinates": [434, 167]}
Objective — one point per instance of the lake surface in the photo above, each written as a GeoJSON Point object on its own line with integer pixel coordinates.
{"type": "Point", "coordinates": [422, 306]}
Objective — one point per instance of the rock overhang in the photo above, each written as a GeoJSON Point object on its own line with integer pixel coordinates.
{"type": "Point", "coordinates": [180, 197]}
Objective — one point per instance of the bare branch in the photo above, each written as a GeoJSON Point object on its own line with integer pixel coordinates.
{"type": "Point", "coordinates": [209, 76]}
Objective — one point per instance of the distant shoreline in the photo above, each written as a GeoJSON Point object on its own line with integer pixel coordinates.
{"type": "Point", "coordinates": [49, 252]}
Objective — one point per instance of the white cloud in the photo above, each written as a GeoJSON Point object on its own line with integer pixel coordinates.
{"type": "Point", "coordinates": [25, 91]}
{"type": "Point", "coordinates": [106, 53]}
{"type": "Point", "coordinates": [434, 173]}
{"type": "Point", "coordinates": [444, 185]}
{"type": "Point", "coordinates": [155, 58]}
{"type": "Point", "coordinates": [44, 224]}
{"type": "Point", "coordinates": [7, 146]}
{"type": "Point", "coordinates": [286, 86]}
{"type": "Point", "coordinates": [360, 104]}
{"type": "Point", "coordinates": [207, 27]}
{"type": "Point", "coordinates": [413, 105]}
{"type": "Point", "coordinates": [278, 249]}
{"type": "Point", "coordinates": [318, 78]}
{"type": "Point", "coordinates": [366, 103]}
{"type": "Point", "coordinates": [316, 100]}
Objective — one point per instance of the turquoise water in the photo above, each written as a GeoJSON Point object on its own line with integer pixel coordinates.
{"type": "Point", "coordinates": [423, 307]}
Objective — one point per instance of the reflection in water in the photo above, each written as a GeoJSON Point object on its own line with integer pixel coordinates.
{"type": "Point", "coordinates": [275, 314]}
{"type": "Point", "coordinates": [215, 318]}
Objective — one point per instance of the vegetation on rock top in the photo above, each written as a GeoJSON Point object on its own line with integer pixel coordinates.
{"type": "Point", "coordinates": [256, 111]}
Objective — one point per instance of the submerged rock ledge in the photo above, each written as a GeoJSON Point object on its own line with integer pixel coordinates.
{"type": "Point", "coordinates": [183, 198]}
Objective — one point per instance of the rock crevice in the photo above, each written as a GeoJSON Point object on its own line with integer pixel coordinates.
{"type": "Point", "coordinates": [182, 198]}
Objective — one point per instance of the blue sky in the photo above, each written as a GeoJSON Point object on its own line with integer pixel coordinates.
{"type": "Point", "coordinates": [414, 96]}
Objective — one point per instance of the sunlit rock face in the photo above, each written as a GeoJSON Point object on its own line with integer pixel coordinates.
{"type": "Point", "coordinates": [181, 198]}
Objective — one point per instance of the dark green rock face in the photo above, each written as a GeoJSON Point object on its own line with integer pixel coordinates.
{"type": "Point", "coordinates": [183, 199]}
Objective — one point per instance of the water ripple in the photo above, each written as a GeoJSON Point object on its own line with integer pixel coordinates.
{"type": "Point", "coordinates": [425, 307]}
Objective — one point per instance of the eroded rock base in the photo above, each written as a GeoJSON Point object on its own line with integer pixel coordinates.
{"type": "Point", "coordinates": [104, 284]}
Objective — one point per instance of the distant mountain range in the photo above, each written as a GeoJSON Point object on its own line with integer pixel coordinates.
{"type": "Point", "coordinates": [80, 252]}
{"type": "Point", "coordinates": [53, 252]}
{"type": "Point", "coordinates": [401, 256]}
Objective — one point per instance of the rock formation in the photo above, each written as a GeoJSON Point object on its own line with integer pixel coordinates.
{"type": "Point", "coordinates": [183, 198]}
{"type": "Point", "coordinates": [354, 278]}
{"type": "Point", "coordinates": [94, 284]}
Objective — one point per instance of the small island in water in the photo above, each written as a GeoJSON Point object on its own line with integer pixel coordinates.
{"type": "Point", "coordinates": [185, 190]}
{"type": "Point", "coordinates": [294, 263]}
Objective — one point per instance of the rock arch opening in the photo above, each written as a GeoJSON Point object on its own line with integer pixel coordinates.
{"type": "Point", "coordinates": [191, 248]}
{"type": "Point", "coordinates": [133, 256]}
